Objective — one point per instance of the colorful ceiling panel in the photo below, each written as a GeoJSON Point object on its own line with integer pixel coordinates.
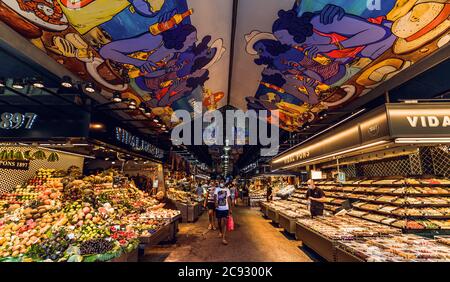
{"type": "Point", "coordinates": [165, 53]}
{"type": "Point", "coordinates": [306, 57]}
{"type": "Point", "coordinates": [300, 57]}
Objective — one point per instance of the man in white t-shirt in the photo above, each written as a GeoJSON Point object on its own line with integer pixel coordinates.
{"type": "Point", "coordinates": [222, 197]}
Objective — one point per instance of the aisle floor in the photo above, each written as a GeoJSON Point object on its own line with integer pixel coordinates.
{"type": "Point", "coordinates": [255, 239]}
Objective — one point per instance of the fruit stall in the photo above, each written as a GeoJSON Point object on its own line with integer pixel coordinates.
{"type": "Point", "coordinates": [55, 217]}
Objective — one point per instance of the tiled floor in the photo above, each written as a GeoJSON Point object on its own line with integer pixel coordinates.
{"type": "Point", "coordinates": [255, 239]}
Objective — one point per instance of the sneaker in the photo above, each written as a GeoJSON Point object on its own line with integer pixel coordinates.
{"type": "Point", "coordinates": [210, 227]}
{"type": "Point", "coordinates": [225, 242]}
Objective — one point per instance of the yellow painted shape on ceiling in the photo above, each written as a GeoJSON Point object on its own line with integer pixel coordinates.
{"type": "Point", "coordinates": [100, 11]}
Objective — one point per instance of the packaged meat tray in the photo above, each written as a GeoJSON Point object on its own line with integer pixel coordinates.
{"type": "Point", "coordinates": [348, 189]}
{"type": "Point", "coordinates": [385, 190]}
{"type": "Point", "coordinates": [397, 248]}
{"type": "Point", "coordinates": [413, 201]}
{"type": "Point", "coordinates": [388, 209]}
{"type": "Point", "coordinates": [443, 224]}
{"type": "Point", "coordinates": [388, 199]}
{"type": "Point", "coordinates": [371, 207]}
{"type": "Point", "coordinates": [357, 213]}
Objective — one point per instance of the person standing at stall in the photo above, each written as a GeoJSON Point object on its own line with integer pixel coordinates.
{"type": "Point", "coordinates": [210, 205]}
{"type": "Point", "coordinates": [316, 198]}
{"type": "Point", "coordinates": [223, 209]}
{"type": "Point", "coordinates": [269, 191]}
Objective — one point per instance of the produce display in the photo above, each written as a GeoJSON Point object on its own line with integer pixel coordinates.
{"type": "Point", "coordinates": [346, 227]}
{"type": "Point", "coordinates": [397, 248]}
{"type": "Point", "coordinates": [183, 196]}
{"type": "Point", "coordinates": [68, 219]}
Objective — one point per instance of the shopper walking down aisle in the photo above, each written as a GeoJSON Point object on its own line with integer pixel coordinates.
{"type": "Point", "coordinates": [223, 210]}
{"type": "Point", "coordinates": [233, 193]}
{"type": "Point", "coordinates": [210, 204]}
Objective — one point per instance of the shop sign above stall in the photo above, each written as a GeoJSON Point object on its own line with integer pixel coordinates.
{"type": "Point", "coordinates": [137, 143]}
{"type": "Point", "coordinates": [38, 123]}
{"type": "Point", "coordinates": [419, 120]}
{"type": "Point", "coordinates": [17, 120]}
{"type": "Point", "coordinates": [15, 165]}
{"type": "Point", "coordinates": [388, 123]}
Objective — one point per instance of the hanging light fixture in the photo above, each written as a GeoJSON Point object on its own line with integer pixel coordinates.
{"type": "Point", "coordinates": [66, 82]}
{"type": "Point", "coordinates": [147, 112]}
{"type": "Point", "coordinates": [142, 107]}
{"type": "Point", "coordinates": [89, 87]}
{"type": "Point", "coordinates": [18, 84]}
{"type": "Point", "coordinates": [38, 83]}
{"type": "Point", "coordinates": [117, 97]}
{"type": "Point", "coordinates": [132, 104]}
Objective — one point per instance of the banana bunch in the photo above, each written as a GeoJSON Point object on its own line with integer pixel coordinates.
{"type": "Point", "coordinates": [6, 155]}
{"type": "Point", "coordinates": [27, 155]}
{"type": "Point", "coordinates": [53, 157]}
{"type": "Point", "coordinates": [39, 155]}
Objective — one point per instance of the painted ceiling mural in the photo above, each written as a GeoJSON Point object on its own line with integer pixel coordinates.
{"type": "Point", "coordinates": [321, 55]}
{"type": "Point", "coordinates": [150, 50]}
{"type": "Point", "coordinates": [300, 57]}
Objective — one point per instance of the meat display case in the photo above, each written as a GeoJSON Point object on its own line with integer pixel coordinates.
{"type": "Point", "coordinates": [413, 205]}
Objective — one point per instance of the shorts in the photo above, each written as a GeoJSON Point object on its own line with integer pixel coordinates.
{"type": "Point", "coordinates": [221, 214]}
{"type": "Point", "coordinates": [211, 206]}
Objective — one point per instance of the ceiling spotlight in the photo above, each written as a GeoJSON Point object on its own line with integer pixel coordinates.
{"type": "Point", "coordinates": [18, 84]}
{"type": "Point", "coordinates": [96, 126]}
{"type": "Point", "coordinates": [66, 82]}
{"type": "Point", "coordinates": [155, 120]}
{"type": "Point", "coordinates": [38, 83]}
{"type": "Point", "coordinates": [132, 105]}
{"type": "Point", "coordinates": [117, 97]}
{"type": "Point", "coordinates": [89, 87]}
{"type": "Point", "coordinates": [147, 112]}
{"type": "Point", "coordinates": [142, 107]}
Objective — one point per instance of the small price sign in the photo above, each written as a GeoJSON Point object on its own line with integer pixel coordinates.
{"type": "Point", "coordinates": [17, 120]}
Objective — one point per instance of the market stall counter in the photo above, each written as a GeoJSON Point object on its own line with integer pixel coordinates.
{"type": "Point", "coordinates": [315, 241]}
{"type": "Point", "coordinates": [273, 215]}
{"type": "Point", "coordinates": [264, 209]}
{"type": "Point", "coordinates": [288, 222]}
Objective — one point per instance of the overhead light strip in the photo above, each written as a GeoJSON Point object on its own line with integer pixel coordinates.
{"type": "Point", "coordinates": [421, 140]}
{"type": "Point", "coordinates": [338, 153]}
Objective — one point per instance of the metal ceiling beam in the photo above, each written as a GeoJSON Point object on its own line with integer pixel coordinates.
{"type": "Point", "coordinates": [232, 44]}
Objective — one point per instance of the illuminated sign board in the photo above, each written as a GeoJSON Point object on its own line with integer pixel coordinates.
{"type": "Point", "coordinates": [136, 143]}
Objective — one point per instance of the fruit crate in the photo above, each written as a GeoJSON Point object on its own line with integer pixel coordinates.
{"type": "Point", "coordinates": [163, 234]}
